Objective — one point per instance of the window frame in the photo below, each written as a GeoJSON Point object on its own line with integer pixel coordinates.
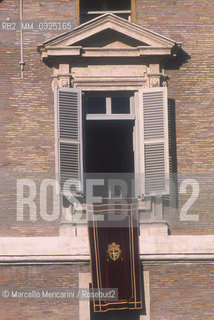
{"type": "Point", "coordinates": [109, 115]}
{"type": "Point", "coordinates": [132, 16]}
{"type": "Point", "coordinates": [140, 140]}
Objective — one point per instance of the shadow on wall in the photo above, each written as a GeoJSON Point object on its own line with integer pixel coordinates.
{"type": "Point", "coordinates": [172, 200]}
{"type": "Point", "coordinates": [174, 63]}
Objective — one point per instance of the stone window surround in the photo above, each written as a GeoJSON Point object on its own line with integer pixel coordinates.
{"type": "Point", "coordinates": [117, 66]}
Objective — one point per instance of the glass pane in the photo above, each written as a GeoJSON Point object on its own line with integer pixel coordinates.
{"type": "Point", "coordinates": [96, 105]}
{"type": "Point", "coordinates": [105, 5]}
{"type": "Point", "coordinates": [120, 105]}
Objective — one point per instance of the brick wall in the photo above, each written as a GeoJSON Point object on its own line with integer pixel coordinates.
{"type": "Point", "coordinates": [181, 291]}
{"type": "Point", "coordinates": [40, 277]}
{"type": "Point", "coordinates": [27, 111]}
{"type": "Point", "coordinates": [191, 90]}
{"type": "Point", "coordinates": [27, 115]}
{"type": "Point", "coordinates": [177, 291]}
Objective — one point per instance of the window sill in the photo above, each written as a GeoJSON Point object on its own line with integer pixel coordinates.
{"type": "Point", "coordinates": [110, 117]}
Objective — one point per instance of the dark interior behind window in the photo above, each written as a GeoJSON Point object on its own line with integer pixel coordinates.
{"type": "Point", "coordinates": [90, 9]}
{"type": "Point", "coordinates": [120, 105]}
{"type": "Point", "coordinates": [97, 5]}
{"type": "Point", "coordinates": [96, 105]}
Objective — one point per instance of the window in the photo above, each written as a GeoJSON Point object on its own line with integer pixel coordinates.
{"type": "Point", "coordinates": [90, 9]}
{"type": "Point", "coordinates": [136, 138]}
{"type": "Point", "coordinates": [109, 105]}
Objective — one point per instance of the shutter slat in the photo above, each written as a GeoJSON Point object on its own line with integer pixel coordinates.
{"type": "Point", "coordinates": [69, 115]}
{"type": "Point", "coordinates": [153, 126]}
{"type": "Point", "coordinates": [70, 126]}
{"type": "Point", "coordinates": [153, 113]}
{"type": "Point", "coordinates": [154, 167]}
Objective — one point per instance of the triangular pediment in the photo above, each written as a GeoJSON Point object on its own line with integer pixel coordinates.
{"type": "Point", "coordinates": [110, 39]}
{"type": "Point", "coordinates": [108, 32]}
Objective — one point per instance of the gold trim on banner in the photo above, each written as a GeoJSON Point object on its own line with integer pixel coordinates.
{"type": "Point", "coordinates": [95, 244]}
{"type": "Point", "coordinates": [98, 257]}
{"type": "Point", "coordinates": [130, 248]}
{"type": "Point", "coordinates": [133, 260]}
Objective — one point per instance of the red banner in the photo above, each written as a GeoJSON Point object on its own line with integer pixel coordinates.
{"type": "Point", "coordinates": [114, 246]}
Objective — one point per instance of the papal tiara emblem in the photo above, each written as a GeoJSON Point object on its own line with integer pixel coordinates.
{"type": "Point", "coordinates": [114, 252]}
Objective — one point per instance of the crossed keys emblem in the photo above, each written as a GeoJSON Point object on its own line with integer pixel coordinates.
{"type": "Point", "coordinates": [114, 252]}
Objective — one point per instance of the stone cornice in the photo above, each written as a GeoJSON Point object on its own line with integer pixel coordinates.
{"type": "Point", "coordinates": [155, 249]}
{"type": "Point", "coordinates": [104, 52]}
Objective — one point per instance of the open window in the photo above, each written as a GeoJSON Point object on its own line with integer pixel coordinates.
{"type": "Point", "coordinates": [109, 146]}
{"type": "Point", "coordinates": [123, 133]}
{"type": "Point", "coordinates": [90, 9]}
{"type": "Point", "coordinates": [109, 149]}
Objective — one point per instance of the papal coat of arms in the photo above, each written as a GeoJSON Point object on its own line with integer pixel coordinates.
{"type": "Point", "coordinates": [114, 252]}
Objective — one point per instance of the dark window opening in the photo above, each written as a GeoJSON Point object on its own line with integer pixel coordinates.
{"type": "Point", "coordinates": [90, 9]}
{"type": "Point", "coordinates": [120, 105]}
{"type": "Point", "coordinates": [96, 105]}
{"type": "Point", "coordinates": [105, 4]}
{"type": "Point", "coordinates": [109, 146]}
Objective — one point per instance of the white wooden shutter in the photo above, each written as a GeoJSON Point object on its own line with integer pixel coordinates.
{"type": "Point", "coordinates": [69, 105]}
{"type": "Point", "coordinates": [152, 124]}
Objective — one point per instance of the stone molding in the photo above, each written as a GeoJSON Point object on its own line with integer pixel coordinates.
{"type": "Point", "coordinates": [61, 82]}
{"type": "Point", "coordinates": [71, 248]}
{"type": "Point", "coordinates": [131, 43]}
{"type": "Point", "coordinates": [150, 43]}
